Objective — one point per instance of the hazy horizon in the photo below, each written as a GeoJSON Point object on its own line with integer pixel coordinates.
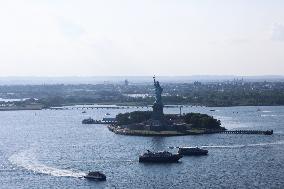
{"type": "Point", "coordinates": [136, 38]}
{"type": "Point", "coordinates": [31, 80]}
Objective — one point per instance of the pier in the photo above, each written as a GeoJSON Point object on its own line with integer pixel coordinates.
{"type": "Point", "coordinates": [268, 132]}
{"type": "Point", "coordinates": [94, 107]}
{"type": "Point", "coordinates": [107, 107]}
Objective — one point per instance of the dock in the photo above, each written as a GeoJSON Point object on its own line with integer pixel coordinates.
{"type": "Point", "coordinates": [259, 132]}
{"type": "Point", "coordinates": [107, 107]}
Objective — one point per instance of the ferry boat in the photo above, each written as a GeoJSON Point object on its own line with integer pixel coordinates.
{"type": "Point", "coordinates": [268, 132]}
{"type": "Point", "coordinates": [90, 121]}
{"type": "Point", "coordinates": [96, 176]}
{"type": "Point", "coordinates": [159, 157]}
{"type": "Point", "coordinates": [192, 151]}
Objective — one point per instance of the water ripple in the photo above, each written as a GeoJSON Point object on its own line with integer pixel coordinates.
{"type": "Point", "coordinates": [246, 145]}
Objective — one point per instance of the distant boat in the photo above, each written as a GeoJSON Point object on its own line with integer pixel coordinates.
{"type": "Point", "coordinates": [189, 151]}
{"type": "Point", "coordinates": [83, 112]}
{"type": "Point", "coordinates": [96, 176]}
{"type": "Point", "coordinates": [89, 121]}
{"type": "Point", "coordinates": [159, 157]}
{"type": "Point", "coordinates": [268, 132]}
{"type": "Point", "coordinates": [107, 114]}
{"type": "Point", "coordinates": [212, 110]}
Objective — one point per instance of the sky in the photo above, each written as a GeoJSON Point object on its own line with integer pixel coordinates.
{"type": "Point", "coordinates": [141, 37]}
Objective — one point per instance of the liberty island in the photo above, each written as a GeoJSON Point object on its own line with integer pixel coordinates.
{"type": "Point", "coordinates": [156, 123]}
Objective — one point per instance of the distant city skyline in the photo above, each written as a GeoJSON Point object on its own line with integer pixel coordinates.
{"type": "Point", "coordinates": [138, 38]}
{"type": "Point", "coordinates": [132, 79]}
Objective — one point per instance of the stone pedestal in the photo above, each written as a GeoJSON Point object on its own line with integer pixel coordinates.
{"type": "Point", "coordinates": [158, 113]}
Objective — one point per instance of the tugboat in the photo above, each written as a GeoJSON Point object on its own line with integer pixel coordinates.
{"type": "Point", "coordinates": [96, 176]}
{"type": "Point", "coordinates": [159, 157]}
{"type": "Point", "coordinates": [189, 151]}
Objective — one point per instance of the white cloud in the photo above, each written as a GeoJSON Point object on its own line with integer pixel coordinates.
{"type": "Point", "coordinates": [277, 33]}
{"type": "Point", "coordinates": [128, 37]}
{"type": "Point", "coordinates": [69, 28]}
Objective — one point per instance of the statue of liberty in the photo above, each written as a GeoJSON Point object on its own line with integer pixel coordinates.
{"type": "Point", "coordinates": [158, 113]}
{"type": "Point", "coordinates": [158, 91]}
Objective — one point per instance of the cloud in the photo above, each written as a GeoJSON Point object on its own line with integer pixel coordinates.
{"type": "Point", "coordinates": [277, 33]}
{"type": "Point", "coordinates": [70, 29]}
{"type": "Point", "coordinates": [238, 40]}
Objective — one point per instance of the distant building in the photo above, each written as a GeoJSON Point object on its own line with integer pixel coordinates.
{"type": "Point", "coordinates": [126, 83]}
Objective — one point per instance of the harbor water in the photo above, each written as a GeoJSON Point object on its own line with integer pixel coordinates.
{"type": "Point", "coordinates": [53, 149]}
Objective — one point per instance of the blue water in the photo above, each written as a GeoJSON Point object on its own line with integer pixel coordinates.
{"type": "Point", "coordinates": [52, 149]}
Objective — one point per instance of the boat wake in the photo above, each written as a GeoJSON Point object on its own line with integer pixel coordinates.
{"type": "Point", "coordinates": [270, 115]}
{"type": "Point", "coordinates": [27, 160]}
{"type": "Point", "coordinates": [247, 145]}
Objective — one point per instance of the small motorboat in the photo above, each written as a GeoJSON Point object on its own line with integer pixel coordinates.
{"type": "Point", "coordinates": [96, 176]}
{"type": "Point", "coordinates": [83, 112]}
{"type": "Point", "coordinates": [107, 114]}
